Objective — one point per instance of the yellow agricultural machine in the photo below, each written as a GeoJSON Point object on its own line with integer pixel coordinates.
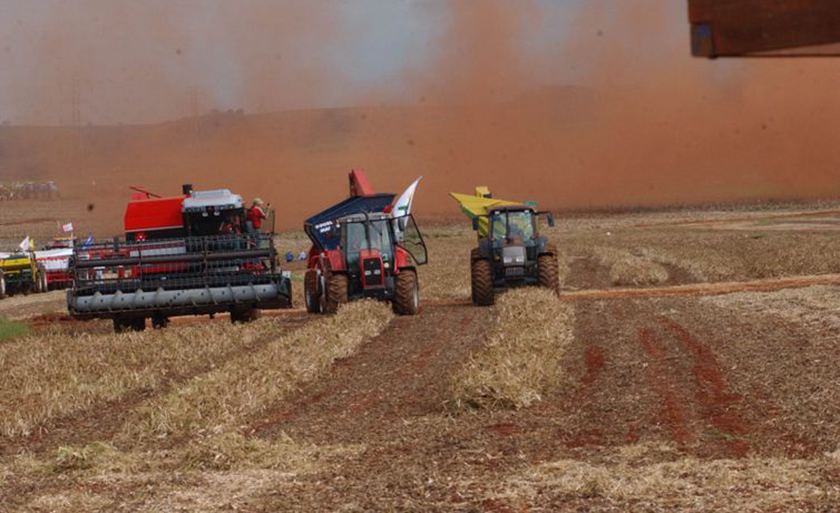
{"type": "Point", "coordinates": [20, 273]}
{"type": "Point", "coordinates": [510, 251]}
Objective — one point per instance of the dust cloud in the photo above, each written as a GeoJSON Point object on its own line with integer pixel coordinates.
{"type": "Point", "coordinates": [604, 110]}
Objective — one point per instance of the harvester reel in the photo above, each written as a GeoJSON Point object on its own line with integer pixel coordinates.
{"type": "Point", "coordinates": [407, 299]}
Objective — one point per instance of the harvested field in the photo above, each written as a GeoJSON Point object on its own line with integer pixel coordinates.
{"type": "Point", "coordinates": [684, 368]}
{"type": "Point", "coordinates": [522, 354]}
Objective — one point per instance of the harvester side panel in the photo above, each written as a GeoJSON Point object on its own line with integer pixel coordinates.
{"type": "Point", "coordinates": [154, 215]}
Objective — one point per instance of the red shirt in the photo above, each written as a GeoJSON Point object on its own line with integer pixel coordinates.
{"type": "Point", "coordinates": [256, 215]}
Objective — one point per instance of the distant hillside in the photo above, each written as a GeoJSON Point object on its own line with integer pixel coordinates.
{"type": "Point", "coordinates": [555, 145]}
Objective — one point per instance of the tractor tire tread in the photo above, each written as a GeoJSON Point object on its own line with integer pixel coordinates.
{"type": "Point", "coordinates": [312, 298]}
{"type": "Point", "coordinates": [336, 293]}
{"type": "Point", "coordinates": [548, 273]}
{"type": "Point", "coordinates": [406, 299]}
{"type": "Point", "coordinates": [482, 282]}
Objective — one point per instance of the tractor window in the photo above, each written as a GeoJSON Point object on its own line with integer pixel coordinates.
{"type": "Point", "coordinates": [380, 237]}
{"type": "Point", "coordinates": [513, 227]}
{"type": "Point", "coordinates": [410, 238]}
{"type": "Point", "coordinates": [499, 227]}
{"type": "Point", "coordinates": [356, 240]}
{"type": "Point", "coordinates": [521, 226]}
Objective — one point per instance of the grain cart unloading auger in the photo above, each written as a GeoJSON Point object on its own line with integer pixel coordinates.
{"type": "Point", "coordinates": [510, 251]}
{"type": "Point", "coordinates": [360, 249]}
{"type": "Point", "coordinates": [182, 255]}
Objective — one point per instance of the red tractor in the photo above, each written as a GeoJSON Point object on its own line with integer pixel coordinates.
{"type": "Point", "coordinates": [183, 255]}
{"type": "Point", "coordinates": [360, 250]}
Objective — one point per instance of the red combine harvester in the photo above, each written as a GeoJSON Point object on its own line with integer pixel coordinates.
{"type": "Point", "coordinates": [359, 250]}
{"type": "Point", "coordinates": [182, 255]}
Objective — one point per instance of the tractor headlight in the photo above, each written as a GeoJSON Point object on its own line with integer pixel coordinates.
{"type": "Point", "coordinates": [508, 260]}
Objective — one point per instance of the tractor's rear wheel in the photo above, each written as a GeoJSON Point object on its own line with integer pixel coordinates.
{"type": "Point", "coordinates": [2, 285]}
{"type": "Point", "coordinates": [482, 282]}
{"type": "Point", "coordinates": [311, 292]}
{"type": "Point", "coordinates": [549, 276]}
{"type": "Point", "coordinates": [335, 294]}
{"type": "Point", "coordinates": [407, 298]}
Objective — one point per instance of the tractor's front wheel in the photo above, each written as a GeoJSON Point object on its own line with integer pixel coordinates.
{"type": "Point", "coordinates": [407, 298]}
{"type": "Point", "coordinates": [482, 282]}
{"type": "Point", "coordinates": [335, 294]}
{"type": "Point", "coordinates": [549, 276]}
{"type": "Point", "coordinates": [311, 292]}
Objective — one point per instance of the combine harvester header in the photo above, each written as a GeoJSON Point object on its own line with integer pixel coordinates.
{"type": "Point", "coordinates": [182, 255]}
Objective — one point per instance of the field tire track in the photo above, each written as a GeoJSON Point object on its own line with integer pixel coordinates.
{"type": "Point", "coordinates": [703, 289]}
{"type": "Point", "coordinates": [403, 372]}
{"type": "Point", "coordinates": [719, 404]}
{"type": "Point", "coordinates": [673, 412]}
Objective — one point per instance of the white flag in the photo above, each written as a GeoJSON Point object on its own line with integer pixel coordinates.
{"type": "Point", "coordinates": [26, 244]}
{"type": "Point", "coordinates": [67, 227]}
{"type": "Point", "coordinates": [403, 205]}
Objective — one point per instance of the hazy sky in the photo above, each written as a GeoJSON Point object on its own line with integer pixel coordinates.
{"type": "Point", "coordinates": [137, 60]}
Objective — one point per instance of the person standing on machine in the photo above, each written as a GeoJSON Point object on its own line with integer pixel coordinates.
{"type": "Point", "coordinates": [255, 216]}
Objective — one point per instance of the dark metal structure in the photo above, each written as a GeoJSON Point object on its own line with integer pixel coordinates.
{"type": "Point", "coordinates": [764, 28]}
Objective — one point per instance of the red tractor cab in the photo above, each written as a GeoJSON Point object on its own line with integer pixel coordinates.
{"type": "Point", "coordinates": [359, 250]}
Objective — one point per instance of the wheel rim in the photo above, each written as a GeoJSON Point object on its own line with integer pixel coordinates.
{"type": "Point", "coordinates": [415, 297]}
